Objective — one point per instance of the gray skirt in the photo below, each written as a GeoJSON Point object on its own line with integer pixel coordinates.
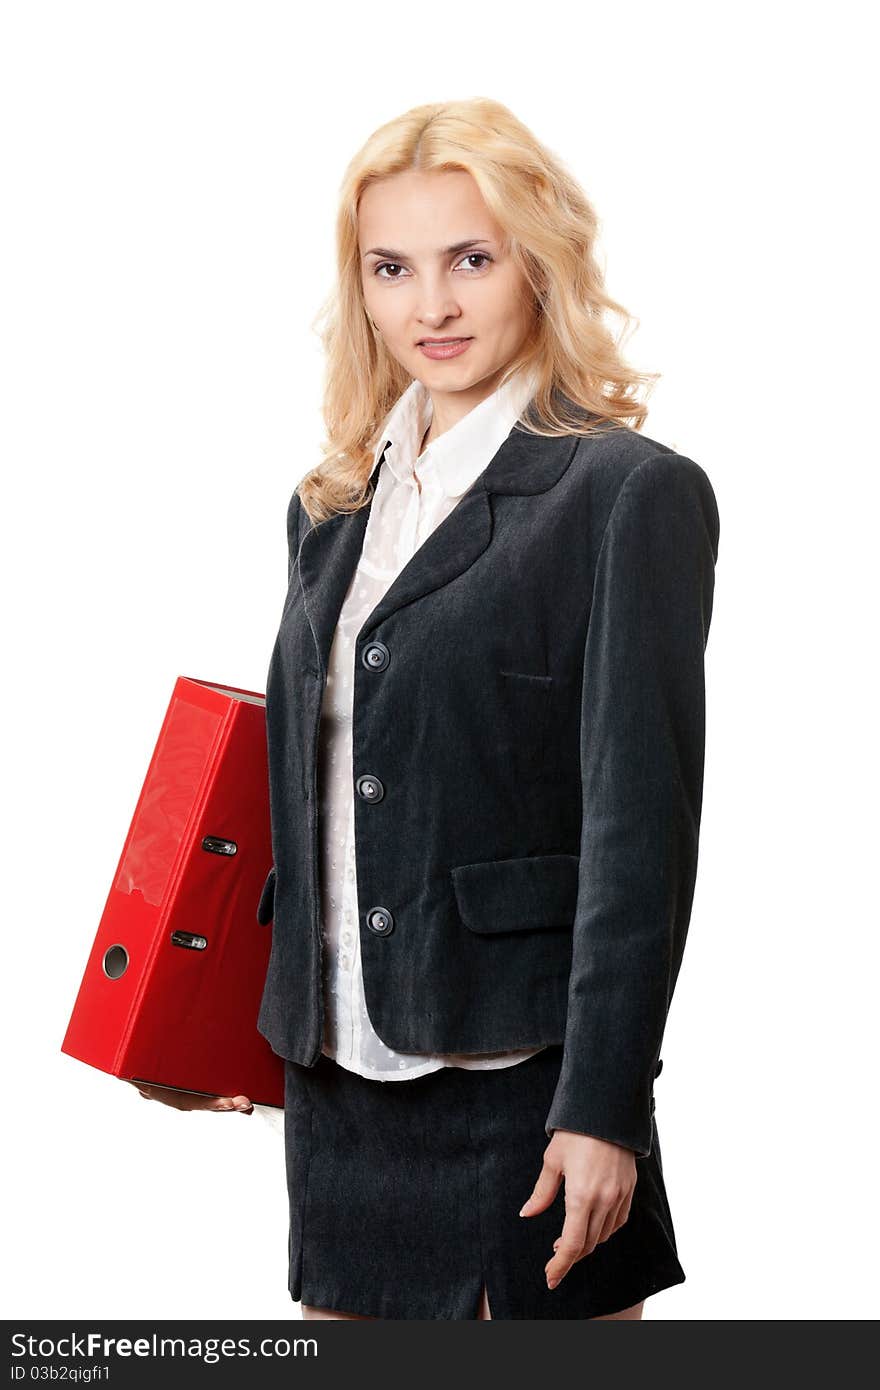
{"type": "Point", "coordinates": [404, 1199]}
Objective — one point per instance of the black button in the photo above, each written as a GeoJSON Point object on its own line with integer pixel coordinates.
{"type": "Point", "coordinates": [659, 1067]}
{"type": "Point", "coordinates": [376, 656]}
{"type": "Point", "coordinates": [380, 921]}
{"type": "Point", "coordinates": [370, 788]}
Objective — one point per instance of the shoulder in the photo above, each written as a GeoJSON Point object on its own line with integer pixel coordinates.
{"type": "Point", "coordinates": [622, 472]}
{"type": "Point", "coordinates": [610, 457]}
{"type": "Point", "coordinates": [294, 506]}
{"type": "Point", "coordinates": [297, 519]}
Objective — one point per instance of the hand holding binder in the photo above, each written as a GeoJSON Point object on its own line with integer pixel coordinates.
{"type": "Point", "coordinates": [193, 1100]}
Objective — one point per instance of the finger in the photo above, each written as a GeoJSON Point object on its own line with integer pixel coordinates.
{"type": "Point", "coordinates": [598, 1218]}
{"type": "Point", "coordinates": [240, 1103]}
{"type": "Point", "coordinates": [544, 1191]}
{"type": "Point", "coordinates": [625, 1208]}
{"type": "Point", "coordinates": [609, 1226]}
{"type": "Point", "coordinates": [571, 1243]}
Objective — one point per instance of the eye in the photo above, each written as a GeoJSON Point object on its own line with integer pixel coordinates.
{"type": "Point", "coordinates": [477, 256]}
{"type": "Point", "coordinates": [398, 272]}
{"type": "Point", "coordinates": [389, 265]}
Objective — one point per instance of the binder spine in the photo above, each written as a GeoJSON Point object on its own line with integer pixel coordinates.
{"type": "Point", "coordinates": [157, 939]}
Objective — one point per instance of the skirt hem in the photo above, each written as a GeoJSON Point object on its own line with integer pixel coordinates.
{"type": "Point", "coordinates": [340, 1301]}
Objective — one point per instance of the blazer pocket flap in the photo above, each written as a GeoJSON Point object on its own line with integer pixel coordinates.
{"type": "Point", "coordinates": [502, 895]}
{"type": "Point", "coordinates": [266, 906]}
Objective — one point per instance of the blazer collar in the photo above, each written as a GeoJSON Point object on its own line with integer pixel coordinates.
{"type": "Point", "coordinates": [524, 465]}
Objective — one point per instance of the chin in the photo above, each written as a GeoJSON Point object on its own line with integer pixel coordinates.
{"type": "Point", "coordinates": [455, 374]}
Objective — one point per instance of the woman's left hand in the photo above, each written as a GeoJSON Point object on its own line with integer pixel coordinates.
{"type": "Point", "coordinates": [600, 1178]}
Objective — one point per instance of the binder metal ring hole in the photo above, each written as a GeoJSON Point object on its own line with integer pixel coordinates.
{"type": "Point", "coordinates": [115, 962]}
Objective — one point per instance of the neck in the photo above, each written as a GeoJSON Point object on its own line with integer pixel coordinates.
{"type": "Point", "coordinates": [448, 407]}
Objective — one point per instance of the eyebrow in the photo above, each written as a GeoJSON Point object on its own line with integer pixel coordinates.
{"type": "Point", "coordinates": [444, 250]}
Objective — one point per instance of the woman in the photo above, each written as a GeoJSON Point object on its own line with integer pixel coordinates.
{"type": "Point", "coordinates": [485, 719]}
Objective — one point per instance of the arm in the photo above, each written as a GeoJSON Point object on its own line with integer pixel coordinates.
{"type": "Point", "coordinates": [642, 753]}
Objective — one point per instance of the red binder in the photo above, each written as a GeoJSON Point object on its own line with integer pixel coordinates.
{"type": "Point", "coordinates": [173, 983]}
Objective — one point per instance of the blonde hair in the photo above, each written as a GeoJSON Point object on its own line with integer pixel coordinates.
{"type": "Point", "coordinates": [552, 232]}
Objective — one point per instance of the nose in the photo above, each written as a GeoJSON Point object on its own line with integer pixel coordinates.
{"type": "Point", "coordinates": [437, 306]}
{"type": "Point", "coordinates": [433, 322]}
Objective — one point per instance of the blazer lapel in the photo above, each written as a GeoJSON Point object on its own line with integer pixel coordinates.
{"type": "Point", "coordinates": [329, 553]}
{"type": "Point", "coordinates": [450, 549]}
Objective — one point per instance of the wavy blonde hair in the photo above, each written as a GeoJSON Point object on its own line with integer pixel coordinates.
{"type": "Point", "coordinates": [552, 233]}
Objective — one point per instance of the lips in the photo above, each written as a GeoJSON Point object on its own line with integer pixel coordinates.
{"type": "Point", "coordinates": [439, 349]}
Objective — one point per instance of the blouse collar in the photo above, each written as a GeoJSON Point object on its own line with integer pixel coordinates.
{"type": "Point", "coordinates": [453, 461]}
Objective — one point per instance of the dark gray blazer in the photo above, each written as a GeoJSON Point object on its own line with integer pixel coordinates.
{"type": "Point", "coordinates": [528, 739]}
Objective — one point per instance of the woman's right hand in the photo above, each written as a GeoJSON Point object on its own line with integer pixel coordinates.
{"type": "Point", "coordinates": [189, 1100]}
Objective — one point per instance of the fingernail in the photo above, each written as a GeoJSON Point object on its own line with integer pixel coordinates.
{"type": "Point", "coordinates": [551, 1283]}
{"type": "Point", "coordinates": [522, 1210]}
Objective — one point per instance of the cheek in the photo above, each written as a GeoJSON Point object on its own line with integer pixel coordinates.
{"type": "Point", "coordinates": [392, 313]}
{"type": "Point", "coordinates": [506, 306]}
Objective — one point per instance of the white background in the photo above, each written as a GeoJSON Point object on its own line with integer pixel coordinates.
{"type": "Point", "coordinates": [169, 175]}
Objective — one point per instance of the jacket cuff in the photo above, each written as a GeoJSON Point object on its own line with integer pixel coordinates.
{"type": "Point", "coordinates": [603, 1116]}
{"type": "Point", "coordinates": [266, 905]}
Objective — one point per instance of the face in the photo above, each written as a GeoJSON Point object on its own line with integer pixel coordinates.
{"type": "Point", "coordinates": [434, 265]}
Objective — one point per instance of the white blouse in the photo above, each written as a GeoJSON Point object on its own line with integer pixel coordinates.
{"type": "Point", "coordinates": [414, 493]}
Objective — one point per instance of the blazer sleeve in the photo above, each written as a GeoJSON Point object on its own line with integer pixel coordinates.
{"type": "Point", "coordinates": [266, 904]}
{"type": "Point", "coordinates": [642, 738]}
